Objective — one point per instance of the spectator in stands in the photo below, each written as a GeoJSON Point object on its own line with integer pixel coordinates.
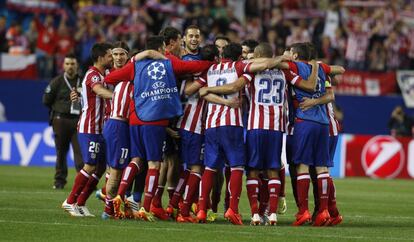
{"type": "Point", "coordinates": [393, 44]}
{"type": "Point", "coordinates": [31, 34]}
{"type": "Point", "coordinates": [377, 57]}
{"type": "Point", "coordinates": [410, 43]}
{"type": "Point", "coordinates": [218, 10]}
{"type": "Point", "coordinates": [332, 21]}
{"type": "Point", "coordinates": [255, 28]}
{"type": "Point", "coordinates": [273, 39]}
{"type": "Point", "coordinates": [17, 41]}
{"type": "Point", "coordinates": [87, 35]}
{"type": "Point", "coordinates": [205, 21]}
{"type": "Point", "coordinates": [400, 124]}
{"type": "Point", "coordinates": [326, 52]}
{"type": "Point", "coordinates": [65, 44]}
{"type": "Point", "coordinates": [357, 45]}
{"type": "Point", "coordinates": [338, 44]}
{"type": "Point", "coordinates": [3, 41]}
{"type": "Point", "coordinates": [45, 47]}
{"type": "Point", "coordinates": [300, 34]}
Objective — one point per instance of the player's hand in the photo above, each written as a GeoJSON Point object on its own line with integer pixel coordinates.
{"type": "Point", "coordinates": [203, 91]}
{"type": "Point", "coordinates": [234, 102]}
{"type": "Point", "coordinates": [307, 103]}
{"type": "Point", "coordinates": [314, 63]}
{"type": "Point", "coordinates": [174, 134]}
{"type": "Point", "coordinates": [74, 97]}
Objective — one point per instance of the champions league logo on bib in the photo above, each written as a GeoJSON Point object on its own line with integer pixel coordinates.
{"type": "Point", "coordinates": [156, 71]}
{"type": "Point", "coordinates": [155, 90]}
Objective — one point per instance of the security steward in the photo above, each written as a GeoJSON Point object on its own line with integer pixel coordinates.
{"type": "Point", "coordinates": [64, 115]}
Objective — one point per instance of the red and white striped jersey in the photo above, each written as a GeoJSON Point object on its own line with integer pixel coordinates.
{"type": "Point", "coordinates": [290, 110]}
{"type": "Point", "coordinates": [267, 102]}
{"type": "Point", "coordinates": [120, 100]}
{"type": "Point", "coordinates": [92, 117]}
{"type": "Point", "coordinates": [334, 126]}
{"type": "Point", "coordinates": [193, 107]}
{"type": "Point", "coordinates": [220, 74]}
{"type": "Point", "coordinates": [108, 103]}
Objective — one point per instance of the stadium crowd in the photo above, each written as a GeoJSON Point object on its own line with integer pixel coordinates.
{"type": "Point", "coordinates": [375, 36]}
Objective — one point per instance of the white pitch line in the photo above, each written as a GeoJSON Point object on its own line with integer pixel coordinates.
{"type": "Point", "coordinates": [31, 192]}
{"type": "Point", "coordinates": [273, 232]}
{"type": "Point", "coordinates": [31, 209]}
{"type": "Point", "coordinates": [382, 217]}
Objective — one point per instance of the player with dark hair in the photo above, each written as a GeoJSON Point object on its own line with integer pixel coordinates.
{"type": "Point", "coordinates": [147, 136]}
{"type": "Point", "coordinates": [116, 131]}
{"type": "Point", "coordinates": [248, 48]}
{"type": "Point", "coordinates": [192, 40]}
{"type": "Point", "coordinates": [192, 133]}
{"type": "Point", "coordinates": [191, 51]}
{"type": "Point", "coordinates": [220, 42]}
{"type": "Point", "coordinates": [173, 40]}
{"type": "Point", "coordinates": [265, 128]}
{"type": "Point", "coordinates": [90, 131]}
{"type": "Point", "coordinates": [334, 129]}
{"type": "Point", "coordinates": [224, 132]}
{"type": "Point", "coordinates": [311, 125]}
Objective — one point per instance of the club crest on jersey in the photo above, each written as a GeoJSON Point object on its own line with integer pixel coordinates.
{"type": "Point", "coordinates": [95, 78]}
{"type": "Point", "coordinates": [156, 70]}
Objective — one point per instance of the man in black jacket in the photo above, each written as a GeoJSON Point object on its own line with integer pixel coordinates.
{"type": "Point", "coordinates": [64, 115]}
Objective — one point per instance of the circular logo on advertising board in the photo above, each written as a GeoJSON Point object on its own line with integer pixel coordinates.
{"type": "Point", "coordinates": [382, 157]}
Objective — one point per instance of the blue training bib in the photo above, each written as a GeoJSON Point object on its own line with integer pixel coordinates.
{"type": "Point", "coordinates": [156, 93]}
{"type": "Point", "coordinates": [318, 112]}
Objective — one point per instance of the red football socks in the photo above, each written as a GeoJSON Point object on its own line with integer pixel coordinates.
{"type": "Point", "coordinates": [302, 184]}
{"type": "Point", "coordinates": [333, 210]}
{"type": "Point", "coordinates": [151, 182]}
{"type": "Point", "coordinates": [179, 190]}
{"type": "Point", "coordinates": [80, 181]}
{"type": "Point", "coordinates": [252, 187]}
{"type": "Point", "coordinates": [206, 186]}
{"type": "Point", "coordinates": [128, 176]}
{"type": "Point", "coordinates": [323, 190]}
{"type": "Point", "coordinates": [274, 186]}
{"type": "Point", "coordinates": [88, 189]}
{"type": "Point", "coordinates": [190, 190]}
{"type": "Point", "coordinates": [235, 188]}
{"type": "Point", "coordinates": [157, 200]}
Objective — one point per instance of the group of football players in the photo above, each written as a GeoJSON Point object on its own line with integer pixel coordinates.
{"type": "Point", "coordinates": [239, 104]}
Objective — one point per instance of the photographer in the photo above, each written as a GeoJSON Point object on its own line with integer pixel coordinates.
{"type": "Point", "coordinates": [400, 123]}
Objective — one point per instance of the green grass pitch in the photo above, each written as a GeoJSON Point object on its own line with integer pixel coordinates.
{"type": "Point", "coordinates": [373, 210]}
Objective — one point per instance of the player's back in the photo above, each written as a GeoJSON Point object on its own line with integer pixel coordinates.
{"type": "Point", "coordinates": [221, 115]}
{"type": "Point", "coordinates": [318, 112]}
{"type": "Point", "coordinates": [267, 101]}
{"type": "Point", "coordinates": [91, 119]}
